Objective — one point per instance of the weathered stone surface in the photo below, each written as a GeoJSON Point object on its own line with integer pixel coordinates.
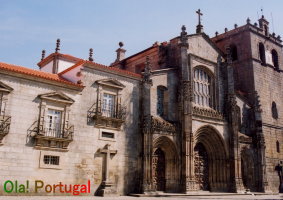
{"type": "Point", "coordinates": [231, 143]}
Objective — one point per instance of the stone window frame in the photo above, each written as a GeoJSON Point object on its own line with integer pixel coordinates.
{"type": "Point", "coordinates": [274, 110]}
{"type": "Point", "coordinates": [162, 106]}
{"type": "Point", "coordinates": [261, 53]}
{"type": "Point", "coordinates": [110, 86]}
{"type": "Point", "coordinates": [113, 87]}
{"type": "Point", "coordinates": [42, 139]}
{"type": "Point", "coordinates": [211, 88]}
{"type": "Point", "coordinates": [105, 138]}
{"type": "Point", "coordinates": [42, 165]}
{"type": "Point", "coordinates": [5, 90]}
{"type": "Point", "coordinates": [49, 102]}
{"type": "Point", "coordinates": [275, 59]}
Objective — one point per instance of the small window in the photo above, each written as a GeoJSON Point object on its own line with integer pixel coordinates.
{"type": "Point", "coordinates": [275, 59]}
{"type": "Point", "coordinates": [262, 53]}
{"type": "Point", "coordinates": [53, 124]}
{"type": "Point", "coordinates": [107, 135]}
{"type": "Point", "coordinates": [108, 105]}
{"type": "Point", "coordinates": [234, 52]}
{"type": "Point", "coordinates": [277, 147]}
{"type": "Point", "coordinates": [51, 160]}
{"type": "Point", "coordinates": [162, 100]}
{"type": "Point", "coordinates": [274, 110]}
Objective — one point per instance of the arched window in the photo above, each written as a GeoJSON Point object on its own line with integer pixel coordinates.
{"type": "Point", "coordinates": [262, 53]}
{"type": "Point", "coordinates": [275, 59]}
{"type": "Point", "coordinates": [162, 101]}
{"type": "Point", "coordinates": [277, 146]}
{"type": "Point", "coordinates": [274, 110]}
{"type": "Point", "coordinates": [234, 52]}
{"type": "Point", "coordinates": [202, 88]}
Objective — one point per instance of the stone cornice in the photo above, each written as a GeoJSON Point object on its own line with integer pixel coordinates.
{"type": "Point", "coordinates": [116, 72]}
{"type": "Point", "coordinates": [207, 113]}
{"type": "Point", "coordinates": [272, 126]}
{"type": "Point", "coordinates": [42, 80]}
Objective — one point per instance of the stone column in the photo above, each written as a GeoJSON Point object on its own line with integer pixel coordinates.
{"type": "Point", "coordinates": [261, 181]}
{"type": "Point", "coordinates": [232, 114]}
{"type": "Point", "coordinates": [187, 172]}
{"type": "Point", "coordinates": [147, 185]}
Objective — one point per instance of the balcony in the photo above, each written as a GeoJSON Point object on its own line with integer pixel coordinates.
{"type": "Point", "coordinates": [53, 136]}
{"type": "Point", "coordinates": [5, 122]}
{"type": "Point", "coordinates": [108, 116]}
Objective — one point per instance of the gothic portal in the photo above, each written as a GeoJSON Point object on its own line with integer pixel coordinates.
{"type": "Point", "coordinates": [158, 166]}
{"type": "Point", "coordinates": [201, 167]}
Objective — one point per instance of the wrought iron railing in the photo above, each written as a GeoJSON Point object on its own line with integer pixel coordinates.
{"type": "Point", "coordinates": [57, 130]}
{"type": "Point", "coordinates": [116, 111]}
{"type": "Point", "coordinates": [5, 122]}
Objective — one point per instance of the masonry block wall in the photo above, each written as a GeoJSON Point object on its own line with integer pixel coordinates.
{"type": "Point", "coordinates": [251, 75]}
{"type": "Point", "coordinates": [82, 162]}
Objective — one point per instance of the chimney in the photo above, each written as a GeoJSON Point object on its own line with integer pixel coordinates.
{"type": "Point", "coordinates": [120, 52]}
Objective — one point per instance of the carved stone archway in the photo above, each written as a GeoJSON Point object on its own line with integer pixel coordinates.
{"type": "Point", "coordinates": [164, 145]}
{"type": "Point", "coordinates": [217, 158]}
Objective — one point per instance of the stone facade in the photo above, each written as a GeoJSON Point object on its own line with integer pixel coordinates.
{"type": "Point", "coordinates": [194, 113]}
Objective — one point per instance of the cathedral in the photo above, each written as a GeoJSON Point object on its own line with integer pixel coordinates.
{"type": "Point", "coordinates": [195, 113]}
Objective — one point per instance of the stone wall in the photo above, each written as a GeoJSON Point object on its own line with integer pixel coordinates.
{"type": "Point", "coordinates": [82, 162]}
{"type": "Point", "coordinates": [268, 83]}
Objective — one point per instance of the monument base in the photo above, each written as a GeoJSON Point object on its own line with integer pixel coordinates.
{"type": "Point", "coordinates": [108, 189]}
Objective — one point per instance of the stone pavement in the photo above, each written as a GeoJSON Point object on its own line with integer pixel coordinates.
{"type": "Point", "coordinates": [142, 198]}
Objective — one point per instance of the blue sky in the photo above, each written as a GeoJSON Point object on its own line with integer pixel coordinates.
{"type": "Point", "coordinates": [28, 26]}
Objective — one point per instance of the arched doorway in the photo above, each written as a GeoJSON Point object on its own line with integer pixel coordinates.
{"type": "Point", "coordinates": [201, 167]}
{"type": "Point", "coordinates": [158, 165]}
{"type": "Point", "coordinates": [211, 166]}
{"type": "Point", "coordinates": [165, 165]}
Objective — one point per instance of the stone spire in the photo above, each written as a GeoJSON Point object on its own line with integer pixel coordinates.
{"type": "Point", "coordinates": [248, 20]}
{"type": "Point", "coordinates": [120, 52]}
{"type": "Point", "coordinates": [199, 26]}
{"type": "Point", "coordinates": [43, 54]}
{"type": "Point", "coordinates": [57, 46]}
{"type": "Point", "coordinates": [90, 58]}
{"type": "Point", "coordinates": [184, 37]}
{"type": "Point", "coordinates": [147, 71]}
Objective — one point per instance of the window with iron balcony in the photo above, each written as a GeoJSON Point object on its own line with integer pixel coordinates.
{"type": "Point", "coordinates": [108, 111]}
{"type": "Point", "coordinates": [52, 130]}
{"type": "Point", "coordinates": [5, 119]}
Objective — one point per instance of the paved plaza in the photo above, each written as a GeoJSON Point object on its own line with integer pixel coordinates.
{"type": "Point", "coordinates": [250, 196]}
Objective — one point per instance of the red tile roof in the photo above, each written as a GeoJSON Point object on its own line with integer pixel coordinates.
{"type": "Point", "coordinates": [60, 55]}
{"type": "Point", "coordinates": [72, 67]}
{"type": "Point", "coordinates": [114, 69]}
{"type": "Point", "coordinates": [35, 73]}
{"type": "Point", "coordinates": [81, 61]}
